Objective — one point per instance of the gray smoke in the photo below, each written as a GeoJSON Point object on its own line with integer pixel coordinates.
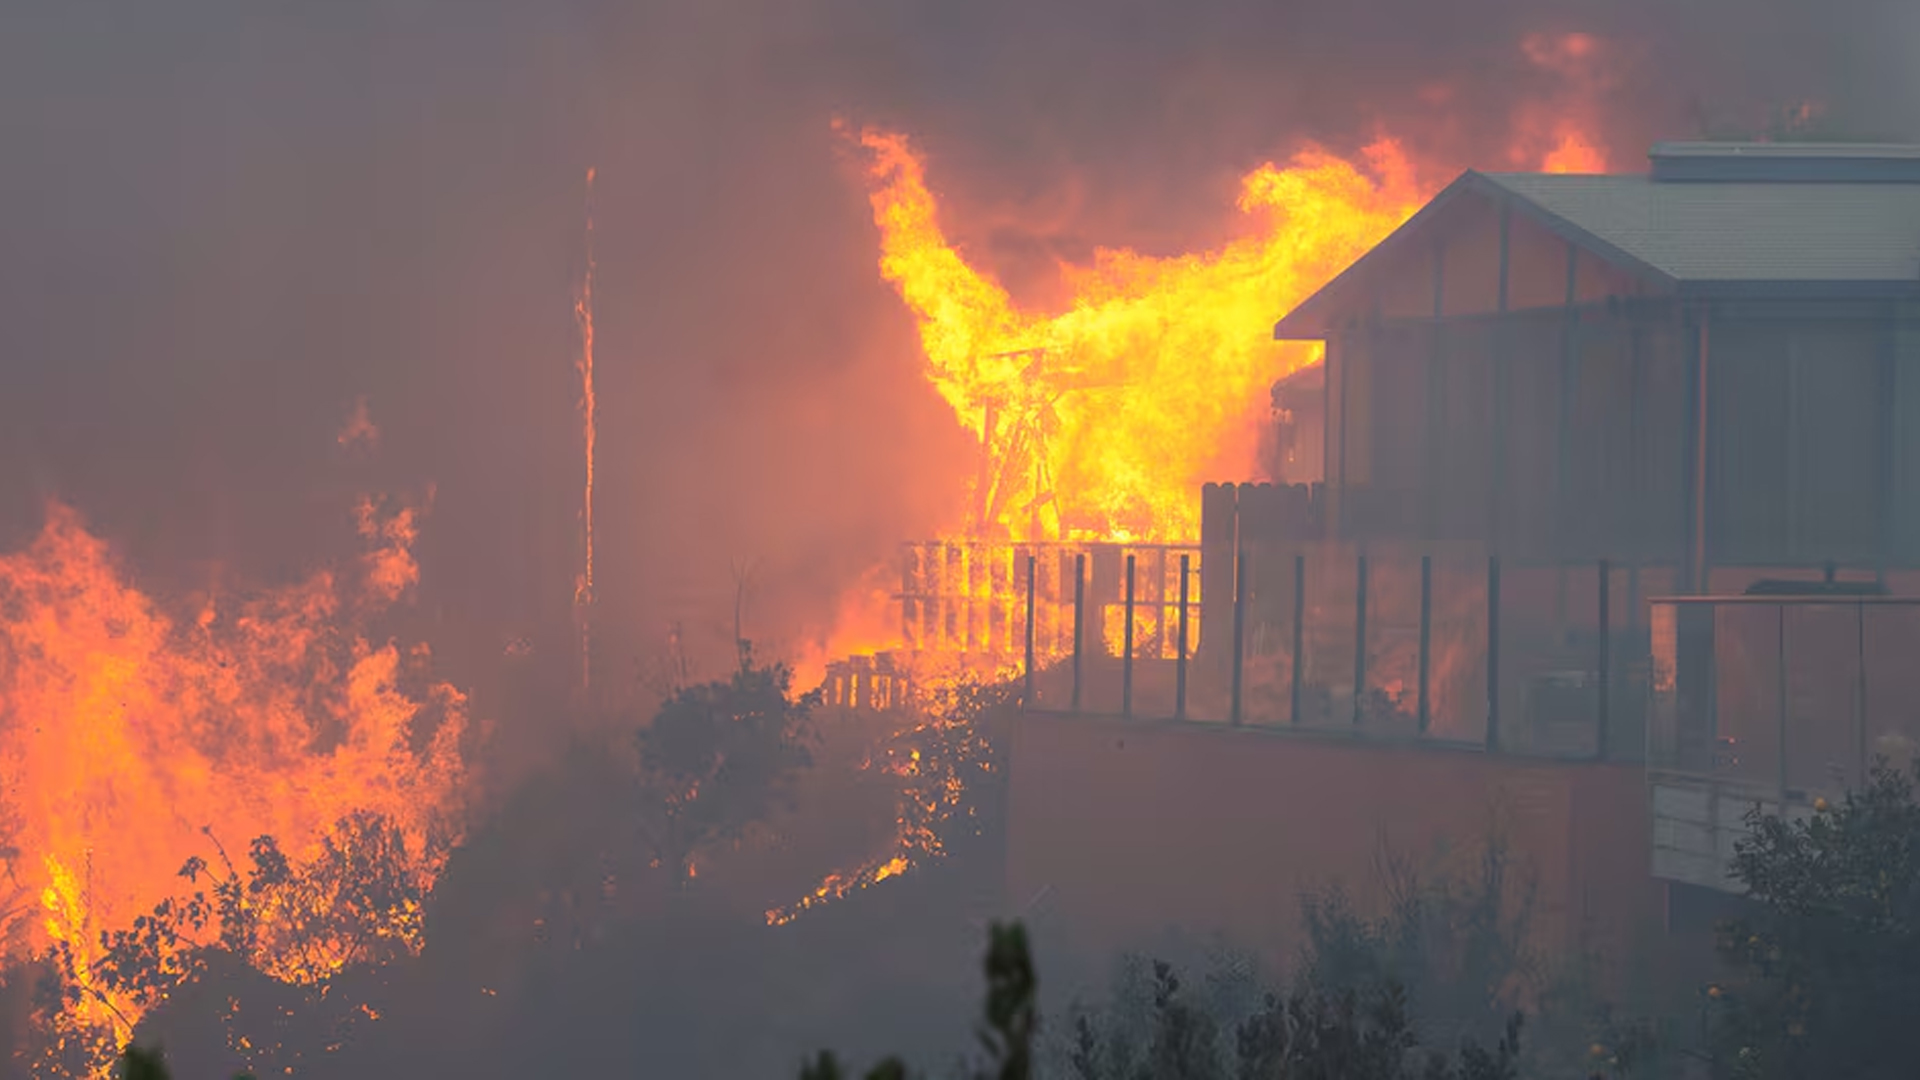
{"type": "Point", "coordinates": [223, 221]}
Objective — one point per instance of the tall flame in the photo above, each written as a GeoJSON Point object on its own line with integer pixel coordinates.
{"type": "Point", "coordinates": [1102, 421]}
{"type": "Point", "coordinates": [583, 585]}
{"type": "Point", "coordinates": [131, 739]}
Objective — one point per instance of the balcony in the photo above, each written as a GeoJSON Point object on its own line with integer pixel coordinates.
{"type": "Point", "coordinates": [1770, 701]}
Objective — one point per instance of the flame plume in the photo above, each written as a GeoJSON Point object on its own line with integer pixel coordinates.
{"type": "Point", "coordinates": [583, 585]}
{"type": "Point", "coordinates": [1101, 422]}
{"type": "Point", "coordinates": [132, 739]}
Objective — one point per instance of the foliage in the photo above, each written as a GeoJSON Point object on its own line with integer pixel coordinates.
{"type": "Point", "coordinates": [720, 757]}
{"type": "Point", "coordinates": [278, 936]}
{"type": "Point", "coordinates": [1309, 1034]}
{"type": "Point", "coordinates": [1457, 947]}
{"type": "Point", "coordinates": [1011, 1022]}
{"type": "Point", "coordinates": [1445, 963]}
{"type": "Point", "coordinates": [948, 765]}
{"type": "Point", "coordinates": [1831, 958]}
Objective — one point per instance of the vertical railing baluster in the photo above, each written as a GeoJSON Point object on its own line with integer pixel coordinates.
{"type": "Point", "coordinates": [1180, 663]}
{"type": "Point", "coordinates": [1079, 622]}
{"type": "Point", "coordinates": [1033, 564]}
{"type": "Point", "coordinates": [1239, 629]}
{"type": "Point", "coordinates": [1426, 642]}
{"type": "Point", "coordinates": [1126, 659]}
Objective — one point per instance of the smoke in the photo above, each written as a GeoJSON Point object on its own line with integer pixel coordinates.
{"type": "Point", "coordinates": [225, 223]}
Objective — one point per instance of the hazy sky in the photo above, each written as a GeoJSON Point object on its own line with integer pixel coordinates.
{"type": "Point", "coordinates": [223, 221]}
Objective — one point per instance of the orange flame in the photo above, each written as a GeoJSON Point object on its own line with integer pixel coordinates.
{"type": "Point", "coordinates": [1557, 131]}
{"type": "Point", "coordinates": [1101, 422]}
{"type": "Point", "coordinates": [130, 739]}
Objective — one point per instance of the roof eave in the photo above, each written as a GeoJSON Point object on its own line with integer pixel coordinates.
{"type": "Point", "coordinates": [1308, 322]}
{"type": "Point", "coordinates": [1835, 289]}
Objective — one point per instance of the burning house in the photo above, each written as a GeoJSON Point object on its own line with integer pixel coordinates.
{"type": "Point", "coordinates": [1618, 476]}
{"type": "Point", "coordinates": [1700, 374]}
{"type": "Point", "coordinates": [1695, 368]}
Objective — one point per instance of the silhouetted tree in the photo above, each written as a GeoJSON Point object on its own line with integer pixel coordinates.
{"type": "Point", "coordinates": [720, 758]}
{"type": "Point", "coordinates": [1011, 1021]}
{"type": "Point", "coordinates": [272, 951]}
{"type": "Point", "coordinates": [1831, 958]}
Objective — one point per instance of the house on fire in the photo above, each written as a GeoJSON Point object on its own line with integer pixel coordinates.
{"type": "Point", "coordinates": [1613, 528]}
{"type": "Point", "coordinates": [1715, 364]}
{"type": "Point", "coordinates": [1709, 373]}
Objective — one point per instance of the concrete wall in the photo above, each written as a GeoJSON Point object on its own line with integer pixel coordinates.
{"type": "Point", "coordinates": [1119, 831]}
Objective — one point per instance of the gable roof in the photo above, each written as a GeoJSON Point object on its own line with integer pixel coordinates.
{"type": "Point", "coordinates": [1699, 237]}
{"type": "Point", "coordinates": [1721, 231]}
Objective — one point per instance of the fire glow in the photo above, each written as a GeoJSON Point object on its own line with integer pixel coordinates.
{"type": "Point", "coordinates": [132, 738]}
{"type": "Point", "coordinates": [1100, 421]}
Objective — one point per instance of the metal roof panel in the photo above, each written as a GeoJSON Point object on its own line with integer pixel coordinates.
{"type": "Point", "coordinates": [1708, 231]}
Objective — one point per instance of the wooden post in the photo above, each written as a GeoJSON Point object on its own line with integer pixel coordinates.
{"type": "Point", "coordinates": [1026, 698]}
{"type": "Point", "coordinates": [1079, 621]}
{"type": "Point", "coordinates": [1359, 638]}
{"type": "Point", "coordinates": [1860, 692]}
{"type": "Point", "coordinates": [1126, 660]}
{"type": "Point", "coordinates": [1493, 652]}
{"type": "Point", "coordinates": [1180, 664]}
{"type": "Point", "coordinates": [1239, 628]}
{"type": "Point", "coordinates": [1781, 691]}
{"type": "Point", "coordinates": [1299, 631]}
{"type": "Point", "coordinates": [1604, 689]}
{"type": "Point", "coordinates": [1426, 640]}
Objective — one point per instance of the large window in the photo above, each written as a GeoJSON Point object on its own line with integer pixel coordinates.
{"type": "Point", "coordinates": [1795, 454]}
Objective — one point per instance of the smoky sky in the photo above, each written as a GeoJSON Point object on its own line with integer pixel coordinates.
{"type": "Point", "coordinates": [222, 222]}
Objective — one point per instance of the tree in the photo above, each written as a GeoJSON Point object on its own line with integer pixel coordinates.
{"type": "Point", "coordinates": [273, 951]}
{"type": "Point", "coordinates": [1830, 959]}
{"type": "Point", "coordinates": [719, 758]}
{"type": "Point", "coordinates": [1456, 946]}
{"type": "Point", "coordinates": [1012, 1017]}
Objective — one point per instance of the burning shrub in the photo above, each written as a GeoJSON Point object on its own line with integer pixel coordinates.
{"type": "Point", "coordinates": [264, 949]}
{"type": "Point", "coordinates": [947, 771]}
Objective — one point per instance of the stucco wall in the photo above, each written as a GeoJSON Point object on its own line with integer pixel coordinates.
{"type": "Point", "coordinates": [1118, 831]}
